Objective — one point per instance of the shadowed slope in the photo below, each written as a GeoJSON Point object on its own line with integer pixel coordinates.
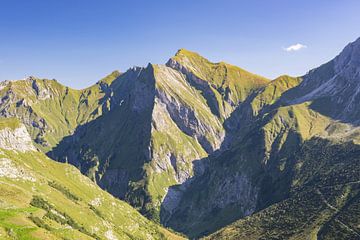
{"type": "Point", "coordinates": [323, 201]}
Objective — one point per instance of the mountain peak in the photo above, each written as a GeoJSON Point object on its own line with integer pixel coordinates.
{"type": "Point", "coordinates": [183, 51]}
{"type": "Point", "coordinates": [186, 55]}
{"type": "Point", "coordinates": [219, 73]}
{"type": "Point", "coordinates": [350, 56]}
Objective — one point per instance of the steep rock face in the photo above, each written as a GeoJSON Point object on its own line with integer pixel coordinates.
{"type": "Point", "coordinates": [268, 128]}
{"type": "Point", "coordinates": [14, 136]}
{"type": "Point", "coordinates": [323, 202]}
{"type": "Point", "coordinates": [188, 109]}
{"type": "Point", "coordinates": [189, 101]}
{"type": "Point", "coordinates": [163, 124]}
{"type": "Point", "coordinates": [113, 148]}
{"type": "Point", "coordinates": [335, 84]}
{"type": "Point", "coordinates": [232, 183]}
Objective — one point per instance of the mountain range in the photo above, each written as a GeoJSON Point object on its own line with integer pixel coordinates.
{"type": "Point", "coordinates": [207, 150]}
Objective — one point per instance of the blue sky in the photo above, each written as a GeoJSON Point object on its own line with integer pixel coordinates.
{"type": "Point", "coordinates": [80, 41]}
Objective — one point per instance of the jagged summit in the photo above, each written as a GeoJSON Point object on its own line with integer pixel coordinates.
{"type": "Point", "coordinates": [349, 58]}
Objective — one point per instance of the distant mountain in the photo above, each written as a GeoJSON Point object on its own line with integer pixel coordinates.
{"type": "Point", "coordinates": [210, 149]}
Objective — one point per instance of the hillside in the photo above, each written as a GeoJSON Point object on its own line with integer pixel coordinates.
{"type": "Point", "coordinates": [43, 199]}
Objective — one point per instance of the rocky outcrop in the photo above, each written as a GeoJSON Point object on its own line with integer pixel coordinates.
{"type": "Point", "coordinates": [336, 84]}
{"type": "Point", "coordinates": [17, 139]}
{"type": "Point", "coordinates": [10, 170]}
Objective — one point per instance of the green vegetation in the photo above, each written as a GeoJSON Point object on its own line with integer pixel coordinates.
{"type": "Point", "coordinates": [56, 216]}
{"type": "Point", "coordinates": [10, 229]}
{"type": "Point", "coordinates": [272, 92]}
{"type": "Point", "coordinates": [46, 209]}
{"type": "Point", "coordinates": [64, 190]}
{"type": "Point", "coordinates": [40, 223]}
{"type": "Point", "coordinates": [96, 211]}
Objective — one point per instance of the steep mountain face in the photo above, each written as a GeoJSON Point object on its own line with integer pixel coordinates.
{"type": "Point", "coordinates": [248, 175]}
{"type": "Point", "coordinates": [336, 84]}
{"type": "Point", "coordinates": [261, 166]}
{"type": "Point", "coordinates": [198, 145]}
{"type": "Point", "coordinates": [163, 124]}
{"type": "Point", "coordinates": [323, 201]}
{"type": "Point", "coordinates": [43, 199]}
{"type": "Point", "coordinates": [138, 133]}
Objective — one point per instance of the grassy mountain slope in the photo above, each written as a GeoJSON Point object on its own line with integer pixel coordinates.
{"type": "Point", "coordinates": [43, 199]}
{"type": "Point", "coordinates": [50, 110]}
{"type": "Point", "coordinates": [250, 175]}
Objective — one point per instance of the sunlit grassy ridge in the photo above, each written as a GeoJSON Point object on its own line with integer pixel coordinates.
{"type": "Point", "coordinates": [60, 203]}
{"type": "Point", "coordinates": [272, 92]}
{"type": "Point", "coordinates": [220, 74]}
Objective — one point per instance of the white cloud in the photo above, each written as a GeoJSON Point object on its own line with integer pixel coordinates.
{"type": "Point", "coordinates": [295, 47]}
